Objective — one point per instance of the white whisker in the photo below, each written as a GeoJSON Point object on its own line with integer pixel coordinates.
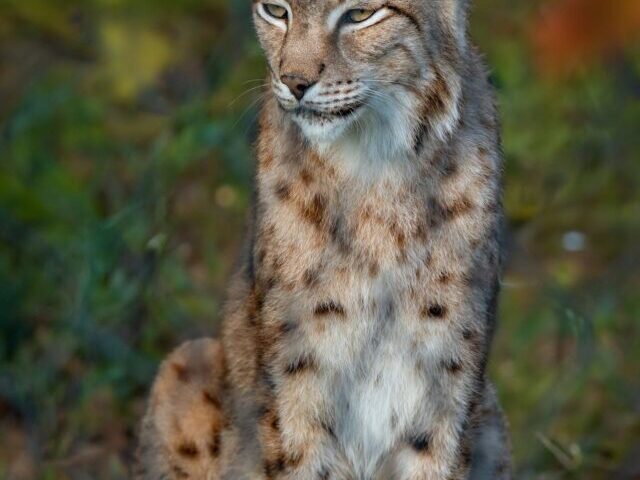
{"type": "Point", "coordinates": [246, 92]}
{"type": "Point", "coordinates": [253, 80]}
{"type": "Point", "coordinates": [260, 98]}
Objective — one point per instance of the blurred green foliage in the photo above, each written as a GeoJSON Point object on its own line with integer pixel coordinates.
{"type": "Point", "coordinates": [125, 173]}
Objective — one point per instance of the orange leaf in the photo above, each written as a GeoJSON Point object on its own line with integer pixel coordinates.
{"type": "Point", "coordinates": [570, 33]}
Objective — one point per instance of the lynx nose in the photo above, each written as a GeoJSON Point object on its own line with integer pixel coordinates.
{"type": "Point", "coordinates": [297, 85]}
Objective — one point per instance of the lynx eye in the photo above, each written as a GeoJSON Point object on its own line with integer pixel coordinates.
{"type": "Point", "coordinates": [359, 15]}
{"type": "Point", "coordinates": [276, 11]}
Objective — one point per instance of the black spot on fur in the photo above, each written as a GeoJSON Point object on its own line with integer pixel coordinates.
{"type": "Point", "coordinates": [433, 310]}
{"type": "Point", "coordinates": [260, 256]}
{"type": "Point", "coordinates": [315, 210]}
{"type": "Point", "coordinates": [450, 168]}
{"type": "Point", "coordinates": [188, 450]}
{"type": "Point", "coordinates": [436, 212]}
{"type": "Point", "coordinates": [283, 191]}
{"type": "Point", "coordinates": [306, 177]}
{"type": "Point", "coordinates": [254, 307]}
{"type": "Point", "coordinates": [467, 334]}
{"type": "Point", "coordinates": [421, 231]}
{"type": "Point", "coordinates": [445, 277]}
{"type": "Point", "coordinates": [453, 366]}
{"type": "Point", "coordinates": [272, 468]}
{"type": "Point", "coordinates": [300, 365]}
{"type": "Point", "coordinates": [324, 474]}
{"type": "Point", "coordinates": [311, 277]}
{"type": "Point", "coordinates": [214, 445]}
{"type": "Point", "coordinates": [271, 281]}
{"type": "Point", "coordinates": [340, 235]}
{"type": "Point", "coordinates": [418, 140]}
{"type": "Point", "coordinates": [267, 378]}
{"type": "Point", "coordinates": [275, 422]}
{"type": "Point", "coordinates": [374, 269]}
{"type": "Point", "coordinates": [212, 399]}
{"type": "Point", "coordinates": [288, 327]}
{"type": "Point", "coordinates": [327, 427]}
{"type": "Point", "coordinates": [181, 372]}
{"type": "Point", "coordinates": [420, 443]}
{"type": "Point", "coordinates": [439, 213]}
{"type": "Point", "coordinates": [437, 311]}
{"type": "Point", "coordinates": [293, 460]}
{"type": "Point", "coordinates": [330, 307]}
{"type": "Point", "coordinates": [267, 415]}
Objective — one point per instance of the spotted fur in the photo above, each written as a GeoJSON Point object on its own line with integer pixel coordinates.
{"type": "Point", "coordinates": [358, 328]}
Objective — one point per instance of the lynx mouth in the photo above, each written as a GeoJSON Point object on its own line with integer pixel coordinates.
{"type": "Point", "coordinates": [326, 126]}
{"type": "Point", "coordinates": [309, 114]}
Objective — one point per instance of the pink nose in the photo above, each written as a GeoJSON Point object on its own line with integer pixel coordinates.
{"type": "Point", "coordinates": [297, 85]}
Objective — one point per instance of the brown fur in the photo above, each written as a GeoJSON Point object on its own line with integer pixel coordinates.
{"type": "Point", "coordinates": [358, 327]}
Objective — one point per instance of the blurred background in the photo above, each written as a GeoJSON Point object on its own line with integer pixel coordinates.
{"type": "Point", "coordinates": [125, 164]}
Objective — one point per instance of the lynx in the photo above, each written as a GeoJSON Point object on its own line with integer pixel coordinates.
{"type": "Point", "coordinates": [358, 327]}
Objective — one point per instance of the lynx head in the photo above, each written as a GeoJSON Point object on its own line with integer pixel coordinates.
{"type": "Point", "coordinates": [382, 73]}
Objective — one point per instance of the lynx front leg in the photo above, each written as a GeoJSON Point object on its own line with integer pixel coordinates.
{"type": "Point", "coordinates": [297, 437]}
{"type": "Point", "coordinates": [480, 452]}
{"type": "Point", "coordinates": [296, 429]}
{"type": "Point", "coordinates": [432, 455]}
{"type": "Point", "coordinates": [435, 446]}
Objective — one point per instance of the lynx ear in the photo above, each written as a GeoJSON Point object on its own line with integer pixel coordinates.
{"type": "Point", "coordinates": [455, 13]}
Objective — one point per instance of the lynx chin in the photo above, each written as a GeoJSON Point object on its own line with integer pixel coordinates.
{"type": "Point", "coordinates": [358, 325]}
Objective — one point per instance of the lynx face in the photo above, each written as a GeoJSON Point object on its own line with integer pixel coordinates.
{"type": "Point", "coordinates": [362, 69]}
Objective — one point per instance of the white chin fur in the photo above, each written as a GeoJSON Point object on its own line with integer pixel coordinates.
{"type": "Point", "coordinates": [379, 135]}
{"type": "Point", "coordinates": [324, 133]}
